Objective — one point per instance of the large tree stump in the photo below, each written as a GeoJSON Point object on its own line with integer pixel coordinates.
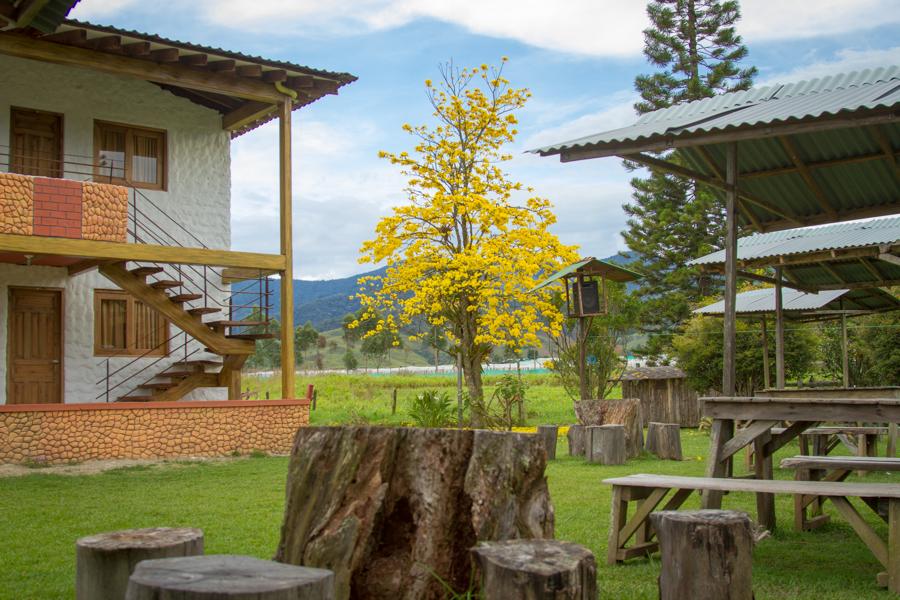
{"type": "Point", "coordinates": [221, 577]}
{"type": "Point", "coordinates": [616, 412]}
{"type": "Point", "coordinates": [705, 554]}
{"type": "Point", "coordinates": [103, 562]}
{"type": "Point", "coordinates": [549, 434]}
{"type": "Point", "coordinates": [575, 435]}
{"type": "Point", "coordinates": [606, 444]}
{"type": "Point", "coordinates": [391, 510]}
{"type": "Point", "coordinates": [536, 570]}
{"type": "Point", "coordinates": [664, 440]}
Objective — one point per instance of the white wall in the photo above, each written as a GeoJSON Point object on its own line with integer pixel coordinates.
{"type": "Point", "coordinates": [197, 195]}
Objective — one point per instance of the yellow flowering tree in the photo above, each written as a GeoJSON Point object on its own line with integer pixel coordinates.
{"type": "Point", "coordinates": [465, 250]}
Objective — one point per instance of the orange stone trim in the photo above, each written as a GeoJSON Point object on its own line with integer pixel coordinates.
{"type": "Point", "coordinates": [105, 212]}
{"type": "Point", "coordinates": [16, 204]}
{"type": "Point", "coordinates": [5, 408]}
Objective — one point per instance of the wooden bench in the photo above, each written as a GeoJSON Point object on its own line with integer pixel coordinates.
{"type": "Point", "coordinates": [808, 509]}
{"type": "Point", "coordinates": [649, 492]}
{"type": "Point", "coordinates": [822, 440]}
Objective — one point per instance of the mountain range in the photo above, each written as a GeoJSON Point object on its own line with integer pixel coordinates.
{"type": "Point", "coordinates": [325, 302]}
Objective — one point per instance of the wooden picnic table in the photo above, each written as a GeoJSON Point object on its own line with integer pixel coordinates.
{"type": "Point", "coordinates": [650, 491]}
{"type": "Point", "coordinates": [808, 509]}
{"type": "Point", "coordinates": [764, 413]}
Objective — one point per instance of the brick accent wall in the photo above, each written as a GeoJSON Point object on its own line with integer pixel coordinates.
{"type": "Point", "coordinates": [62, 208]}
{"type": "Point", "coordinates": [16, 206]}
{"type": "Point", "coordinates": [76, 432]}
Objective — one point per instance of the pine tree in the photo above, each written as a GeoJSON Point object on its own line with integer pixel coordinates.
{"type": "Point", "coordinates": [696, 50]}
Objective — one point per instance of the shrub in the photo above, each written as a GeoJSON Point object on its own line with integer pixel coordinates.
{"type": "Point", "coordinates": [432, 409]}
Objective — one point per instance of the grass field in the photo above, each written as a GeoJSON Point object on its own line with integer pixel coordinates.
{"type": "Point", "coordinates": [239, 503]}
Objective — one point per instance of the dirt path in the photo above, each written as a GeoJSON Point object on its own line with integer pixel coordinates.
{"type": "Point", "coordinates": [99, 466]}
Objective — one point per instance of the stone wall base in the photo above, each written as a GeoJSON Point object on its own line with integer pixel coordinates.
{"type": "Point", "coordinates": [61, 433]}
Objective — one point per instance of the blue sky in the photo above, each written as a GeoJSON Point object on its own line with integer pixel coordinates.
{"type": "Point", "coordinates": [578, 57]}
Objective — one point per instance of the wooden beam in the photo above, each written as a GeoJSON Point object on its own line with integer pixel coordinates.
{"type": "Point", "coordinates": [888, 152]}
{"type": "Point", "coordinates": [222, 66]}
{"type": "Point", "coordinates": [731, 216]}
{"type": "Point", "coordinates": [807, 176]}
{"type": "Point", "coordinates": [249, 71]}
{"type": "Point", "coordinates": [106, 43]}
{"type": "Point", "coordinates": [245, 114]}
{"type": "Point", "coordinates": [171, 74]}
{"type": "Point", "coordinates": [831, 271]}
{"type": "Point", "coordinates": [667, 142]}
{"type": "Point", "coordinates": [300, 82]}
{"type": "Point", "coordinates": [165, 55]}
{"type": "Point", "coordinates": [194, 60]}
{"type": "Point", "coordinates": [136, 48]}
{"type": "Point", "coordinates": [234, 275]}
{"type": "Point", "coordinates": [779, 331]}
{"type": "Point", "coordinates": [889, 258]}
{"type": "Point", "coordinates": [813, 165]}
{"type": "Point", "coordinates": [852, 285]}
{"type": "Point", "coordinates": [287, 252]}
{"type": "Point", "coordinates": [70, 36]}
{"type": "Point", "coordinates": [117, 251]}
{"type": "Point", "coordinates": [771, 280]}
{"type": "Point", "coordinates": [85, 265]}
{"type": "Point", "coordinates": [872, 269]}
{"type": "Point", "coordinates": [28, 10]}
{"type": "Point", "coordinates": [275, 75]}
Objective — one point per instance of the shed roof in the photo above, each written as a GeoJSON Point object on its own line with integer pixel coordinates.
{"type": "Point", "coordinates": [592, 267]}
{"type": "Point", "coordinates": [801, 305]}
{"type": "Point", "coordinates": [809, 152]}
{"type": "Point", "coordinates": [641, 373]}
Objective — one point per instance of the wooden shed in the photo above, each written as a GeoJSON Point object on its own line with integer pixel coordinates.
{"type": "Point", "coordinates": [664, 393]}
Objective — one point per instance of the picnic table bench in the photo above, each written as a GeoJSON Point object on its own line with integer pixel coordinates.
{"type": "Point", "coordinates": [822, 440]}
{"type": "Point", "coordinates": [649, 491]}
{"type": "Point", "coordinates": [808, 509]}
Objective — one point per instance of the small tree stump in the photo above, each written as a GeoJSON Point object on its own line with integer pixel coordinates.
{"type": "Point", "coordinates": [105, 561]}
{"type": "Point", "coordinates": [705, 554]}
{"type": "Point", "coordinates": [625, 412]}
{"type": "Point", "coordinates": [536, 570]}
{"type": "Point", "coordinates": [575, 436]}
{"type": "Point", "coordinates": [664, 440]}
{"type": "Point", "coordinates": [227, 576]}
{"type": "Point", "coordinates": [606, 444]}
{"type": "Point", "coordinates": [549, 434]}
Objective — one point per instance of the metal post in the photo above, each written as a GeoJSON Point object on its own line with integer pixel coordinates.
{"type": "Point", "coordinates": [779, 331]}
{"type": "Point", "coordinates": [107, 380]}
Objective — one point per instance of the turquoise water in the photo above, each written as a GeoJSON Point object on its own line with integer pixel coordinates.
{"type": "Point", "coordinates": [541, 371]}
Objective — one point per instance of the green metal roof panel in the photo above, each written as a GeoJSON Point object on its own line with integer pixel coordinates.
{"type": "Point", "coordinates": [763, 301]}
{"type": "Point", "coordinates": [592, 267]}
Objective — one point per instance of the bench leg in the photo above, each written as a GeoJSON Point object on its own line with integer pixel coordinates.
{"type": "Point", "coordinates": [765, 503]}
{"type": "Point", "coordinates": [722, 430]}
{"type": "Point", "coordinates": [893, 566]}
{"type": "Point", "coordinates": [870, 538]}
{"type": "Point", "coordinates": [892, 440]}
{"type": "Point", "coordinates": [617, 519]}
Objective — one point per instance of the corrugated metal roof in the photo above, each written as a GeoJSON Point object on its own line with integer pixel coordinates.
{"type": "Point", "coordinates": [592, 267]}
{"type": "Point", "coordinates": [832, 95]}
{"type": "Point", "coordinates": [793, 301]}
{"type": "Point", "coordinates": [839, 236]}
{"type": "Point", "coordinates": [641, 373]}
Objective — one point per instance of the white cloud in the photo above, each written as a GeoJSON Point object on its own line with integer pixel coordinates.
{"type": "Point", "coordinates": [790, 19]}
{"type": "Point", "coordinates": [617, 111]}
{"type": "Point", "coordinates": [844, 61]}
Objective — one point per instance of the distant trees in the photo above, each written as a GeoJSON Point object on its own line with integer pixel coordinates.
{"type": "Point", "coordinates": [694, 46]}
{"type": "Point", "coordinates": [469, 244]}
{"type": "Point", "coordinates": [873, 350]}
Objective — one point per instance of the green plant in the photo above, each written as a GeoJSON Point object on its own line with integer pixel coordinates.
{"type": "Point", "coordinates": [431, 409]}
{"type": "Point", "coordinates": [509, 393]}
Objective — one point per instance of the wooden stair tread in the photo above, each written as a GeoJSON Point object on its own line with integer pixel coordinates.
{"type": "Point", "coordinates": [237, 323]}
{"type": "Point", "coordinates": [155, 386]}
{"type": "Point", "coordinates": [177, 374]}
{"type": "Point", "coordinates": [199, 362]}
{"type": "Point", "coordinates": [185, 297]}
{"type": "Point", "coordinates": [145, 271]}
{"type": "Point", "coordinates": [165, 284]}
{"type": "Point", "coordinates": [251, 336]}
{"type": "Point", "coordinates": [203, 310]}
{"type": "Point", "coordinates": [134, 399]}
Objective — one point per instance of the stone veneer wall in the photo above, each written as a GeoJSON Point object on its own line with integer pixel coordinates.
{"type": "Point", "coordinates": [62, 208]}
{"type": "Point", "coordinates": [76, 432]}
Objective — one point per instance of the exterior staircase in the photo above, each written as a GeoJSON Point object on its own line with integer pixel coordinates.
{"type": "Point", "coordinates": [225, 338]}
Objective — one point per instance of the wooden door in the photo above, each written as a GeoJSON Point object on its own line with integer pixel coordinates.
{"type": "Point", "coordinates": [34, 353]}
{"type": "Point", "coordinates": [36, 143]}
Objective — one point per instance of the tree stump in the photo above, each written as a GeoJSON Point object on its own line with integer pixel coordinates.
{"type": "Point", "coordinates": [664, 440]}
{"type": "Point", "coordinates": [575, 436]}
{"type": "Point", "coordinates": [393, 511]}
{"type": "Point", "coordinates": [105, 561]}
{"type": "Point", "coordinates": [615, 412]}
{"type": "Point", "coordinates": [225, 576]}
{"type": "Point", "coordinates": [549, 434]}
{"type": "Point", "coordinates": [536, 570]}
{"type": "Point", "coordinates": [606, 444]}
{"type": "Point", "coordinates": [705, 554]}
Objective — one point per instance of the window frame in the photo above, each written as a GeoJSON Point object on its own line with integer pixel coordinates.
{"type": "Point", "coordinates": [129, 131]}
{"type": "Point", "coordinates": [130, 333]}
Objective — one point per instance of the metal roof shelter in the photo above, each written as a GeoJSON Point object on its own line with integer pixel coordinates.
{"type": "Point", "coordinates": [782, 156]}
{"type": "Point", "coordinates": [592, 267]}
{"type": "Point", "coordinates": [804, 306]}
{"type": "Point", "coordinates": [840, 256]}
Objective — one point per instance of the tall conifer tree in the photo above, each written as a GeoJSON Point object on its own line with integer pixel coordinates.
{"type": "Point", "coordinates": [694, 46]}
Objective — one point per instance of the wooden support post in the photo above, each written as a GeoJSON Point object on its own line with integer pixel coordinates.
{"type": "Point", "coordinates": [575, 436]}
{"type": "Point", "coordinates": [704, 555]}
{"type": "Point", "coordinates": [536, 570]}
{"type": "Point", "coordinates": [394, 402]}
{"type": "Point", "coordinates": [765, 351]}
{"type": "Point", "coordinates": [721, 431]}
{"type": "Point", "coordinates": [287, 245]}
{"type": "Point", "coordinates": [105, 561]}
{"type": "Point", "coordinates": [549, 434]}
{"type": "Point", "coordinates": [227, 576]}
{"type": "Point", "coordinates": [845, 359]}
{"type": "Point", "coordinates": [731, 217]}
{"type": "Point", "coordinates": [779, 331]}
{"type": "Point", "coordinates": [892, 440]}
{"type": "Point", "coordinates": [893, 559]}
{"type": "Point", "coordinates": [583, 383]}
{"type": "Point", "coordinates": [762, 467]}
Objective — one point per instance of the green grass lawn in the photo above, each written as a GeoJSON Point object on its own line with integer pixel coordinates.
{"type": "Point", "coordinates": [239, 503]}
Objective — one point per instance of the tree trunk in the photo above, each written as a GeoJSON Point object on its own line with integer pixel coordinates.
{"type": "Point", "coordinates": [549, 434]}
{"type": "Point", "coordinates": [664, 440]}
{"type": "Point", "coordinates": [616, 412]}
{"type": "Point", "coordinates": [227, 577]}
{"type": "Point", "coordinates": [391, 510]}
{"type": "Point", "coordinates": [105, 561]}
{"type": "Point", "coordinates": [536, 570]}
{"type": "Point", "coordinates": [705, 554]}
{"type": "Point", "coordinates": [605, 444]}
{"type": "Point", "coordinates": [576, 440]}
